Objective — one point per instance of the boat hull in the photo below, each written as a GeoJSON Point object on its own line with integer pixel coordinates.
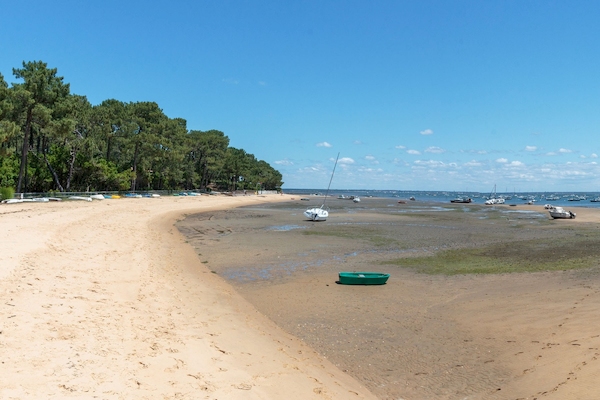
{"type": "Point", "coordinates": [562, 215]}
{"type": "Point", "coordinates": [363, 278]}
{"type": "Point", "coordinates": [559, 212]}
{"type": "Point", "coordinates": [316, 214]}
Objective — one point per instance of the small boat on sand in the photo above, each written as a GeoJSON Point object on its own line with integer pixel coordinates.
{"type": "Point", "coordinates": [321, 213]}
{"type": "Point", "coordinates": [80, 198]}
{"type": "Point", "coordinates": [316, 214]}
{"type": "Point", "coordinates": [560, 213]}
{"type": "Point", "coordinates": [12, 201]}
{"type": "Point", "coordinates": [362, 278]}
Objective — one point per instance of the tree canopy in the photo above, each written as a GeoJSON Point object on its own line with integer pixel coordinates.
{"type": "Point", "coordinates": [53, 140]}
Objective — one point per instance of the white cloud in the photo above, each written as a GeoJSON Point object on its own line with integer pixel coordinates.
{"type": "Point", "coordinates": [346, 160]}
{"type": "Point", "coordinates": [473, 163]}
{"type": "Point", "coordinates": [502, 160]}
{"type": "Point", "coordinates": [429, 163]}
{"type": "Point", "coordinates": [372, 159]}
{"type": "Point", "coordinates": [284, 162]}
{"type": "Point", "coordinates": [582, 156]}
{"type": "Point", "coordinates": [399, 161]}
{"type": "Point", "coordinates": [415, 152]}
{"type": "Point", "coordinates": [323, 144]}
{"type": "Point", "coordinates": [530, 148]}
{"type": "Point", "coordinates": [594, 155]}
{"type": "Point", "coordinates": [357, 142]}
{"type": "Point", "coordinates": [401, 147]}
{"type": "Point", "coordinates": [474, 151]}
{"type": "Point", "coordinates": [565, 151]}
{"type": "Point", "coordinates": [551, 153]}
{"type": "Point", "coordinates": [516, 164]}
{"type": "Point", "coordinates": [434, 149]}
{"type": "Point", "coordinates": [427, 132]}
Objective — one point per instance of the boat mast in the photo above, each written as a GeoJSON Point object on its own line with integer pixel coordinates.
{"type": "Point", "coordinates": [330, 179]}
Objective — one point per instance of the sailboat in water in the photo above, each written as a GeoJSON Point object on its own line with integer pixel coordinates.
{"type": "Point", "coordinates": [321, 213]}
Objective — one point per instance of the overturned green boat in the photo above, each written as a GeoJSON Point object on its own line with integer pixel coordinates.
{"type": "Point", "coordinates": [363, 278]}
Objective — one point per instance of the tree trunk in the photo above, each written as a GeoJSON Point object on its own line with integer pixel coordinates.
{"type": "Point", "coordinates": [56, 180]}
{"type": "Point", "coordinates": [108, 148]}
{"type": "Point", "coordinates": [71, 166]}
{"type": "Point", "coordinates": [134, 179]}
{"type": "Point", "coordinates": [25, 149]}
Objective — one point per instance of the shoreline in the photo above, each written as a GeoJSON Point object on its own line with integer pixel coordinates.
{"type": "Point", "coordinates": [106, 299]}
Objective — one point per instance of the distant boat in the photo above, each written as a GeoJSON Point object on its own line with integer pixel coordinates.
{"type": "Point", "coordinates": [493, 199]}
{"type": "Point", "coordinates": [560, 213]}
{"type": "Point", "coordinates": [595, 200]}
{"type": "Point", "coordinates": [83, 198]}
{"type": "Point", "coordinates": [12, 201]}
{"type": "Point", "coordinates": [321, 213]}
{"type": "Point", "coordinates": [362, 278]}
{"type": "Point", "coordinates": [461, 200]}
{"type": "Point", "coordinates": [356, 199]}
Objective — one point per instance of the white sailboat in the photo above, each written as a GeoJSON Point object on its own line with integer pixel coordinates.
{"type": "Point", "coordinates": [321, 213]}
{"type": "Point", "coordinates": [493, 199]}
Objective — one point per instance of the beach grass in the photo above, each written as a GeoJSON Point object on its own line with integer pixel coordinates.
{"type": "Point", "coordinates": [508, 257]}
{"type": "Point", "coordinates": [373, 236]}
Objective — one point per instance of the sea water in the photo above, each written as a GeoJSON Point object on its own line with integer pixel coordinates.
{"type": "Point", "coordinates": [562, 199]}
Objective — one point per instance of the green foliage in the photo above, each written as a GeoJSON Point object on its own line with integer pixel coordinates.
{"type": "Point", "coordinates": [6, 193]}
{"type": "Point", "coordinates": [521, 256]}
{"type": "Point", "coordinates": [52, 140]}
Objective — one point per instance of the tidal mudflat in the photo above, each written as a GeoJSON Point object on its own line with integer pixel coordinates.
{"type": "Point", "coordinates": [482, 303]}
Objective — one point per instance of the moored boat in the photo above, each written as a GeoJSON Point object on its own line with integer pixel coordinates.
{"type": "Point", "coordinates": [560, 213]}
{"type": "Point", "coordinates": [461, 200]}
{"type": "Point", "coordinates": [363, 278]}
{"type": "Point", "coordinates": [321, 213]}
{"type": "Point", "coordinates": [316, 214]}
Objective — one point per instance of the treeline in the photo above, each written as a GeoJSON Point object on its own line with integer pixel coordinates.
{"type": "Point", "coordinates": [53, 140]}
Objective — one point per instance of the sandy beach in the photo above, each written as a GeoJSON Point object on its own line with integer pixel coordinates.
{"type": "Point", "coordinates": [522, 335]}
{"type": "Point", "coordinates": [107, 300]}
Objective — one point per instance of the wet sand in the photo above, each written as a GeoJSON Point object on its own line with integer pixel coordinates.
{"type": "Point", "coordinates": [529, 335]}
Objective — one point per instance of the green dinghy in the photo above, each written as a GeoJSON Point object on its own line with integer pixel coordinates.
{"type": "Point", "coordinates": [363, 278]}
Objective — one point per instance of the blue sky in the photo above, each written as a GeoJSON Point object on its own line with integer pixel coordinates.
{"type": "Point", "coordinates": [414, 95]}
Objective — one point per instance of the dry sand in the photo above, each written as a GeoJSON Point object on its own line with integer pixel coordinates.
{"type": "Point", "coordinates": [506, 336]}
{"type": "Point", "coordinates": [106, 300]}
